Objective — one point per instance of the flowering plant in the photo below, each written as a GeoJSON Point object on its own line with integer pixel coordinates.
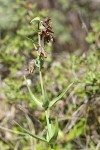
{"type": "Point", "coordinates": [45, 35]}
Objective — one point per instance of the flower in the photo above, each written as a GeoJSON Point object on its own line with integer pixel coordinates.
{"type": "Point", "coordinates": [42, 52]}
{"type": "Point", "coordinates": [31, 66]}
{"type": "Point", "coordinates": [46, 30]}
{"type": "Point", "coordinates": [46, 35]}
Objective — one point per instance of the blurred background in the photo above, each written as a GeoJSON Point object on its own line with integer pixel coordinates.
{"type": "Point", "coordinates": [75, 54]}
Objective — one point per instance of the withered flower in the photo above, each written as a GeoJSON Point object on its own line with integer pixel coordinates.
{"type": "Point", "coordinates": [46, 35]}
{"type": "Point", "coordinates": [42, 52]}
{"type": "Point", "coordinates": [31, 66]}
{"type": "Point", "coordinates": [46, 30]}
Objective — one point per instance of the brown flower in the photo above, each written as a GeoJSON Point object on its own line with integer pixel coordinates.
{"type": "Point", "coordinates": [31, 66]}
{"type": "Point", "coordinates": [46, 35]}
{"type": "Point", "coordinates": [46, 30]}
{"type": "Point", "coordinates": [42, 52]}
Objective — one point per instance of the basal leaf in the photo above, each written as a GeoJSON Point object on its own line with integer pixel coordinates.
{"type": "Point", "coordinates": [33, 135]}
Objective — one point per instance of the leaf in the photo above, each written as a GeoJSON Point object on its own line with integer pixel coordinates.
{"type": "Point", "coordinates": [32, 95]}
{"type": "Point", "coordinates": [14, 132]}
{"type": "Point", "coordinates": [54, 130]}
{"type": "Point", "coordinates": [35, 19]}
{"type": "Point", "coordinates": [33, 135]}
{"type": "Point", "coordinates": [55, 100]}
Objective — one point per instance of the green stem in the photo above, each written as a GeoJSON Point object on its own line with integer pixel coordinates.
{"type": "Point", "coordinates": [39, 39]}
{"type": "Point", "coordinates": [41, 79]}
{"type": "Point", "coordinates": [48, 122]}
{"type": "Point", "coordinates": [47, 113]}
{"type": "Point", "coordinates": [52, 147]}
{"type": "Point", "coordinates": [41, 82]}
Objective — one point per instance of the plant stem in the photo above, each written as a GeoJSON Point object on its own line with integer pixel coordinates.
{"type": "Point", "coordinates": [41, 79]}
{"type": "Point", "coordinates": [47, 112]}
{"type": "Point", "coordinates": [48, 122]}
{"type": "Point", "coordinates": [52, 147]}
{"type": "Point", "coordinates": [39, 39]}
{"type": "Point", "coordinates": [41, 82]}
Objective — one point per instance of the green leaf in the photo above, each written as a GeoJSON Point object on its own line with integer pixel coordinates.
{"type": "Point", "coordinates": [33, 135]}
{"type": "Point", "coordinates": [32, 95]}
{"type": "Point", "coordinates": [35, 19]}
{"type": "Point", "coordinates": [55, 100]}
{"type": "Point", "coordinates": [54, 131]}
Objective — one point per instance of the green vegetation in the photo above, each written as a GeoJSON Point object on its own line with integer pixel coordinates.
{"type": "Point", "coordinates": [73, 57]}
